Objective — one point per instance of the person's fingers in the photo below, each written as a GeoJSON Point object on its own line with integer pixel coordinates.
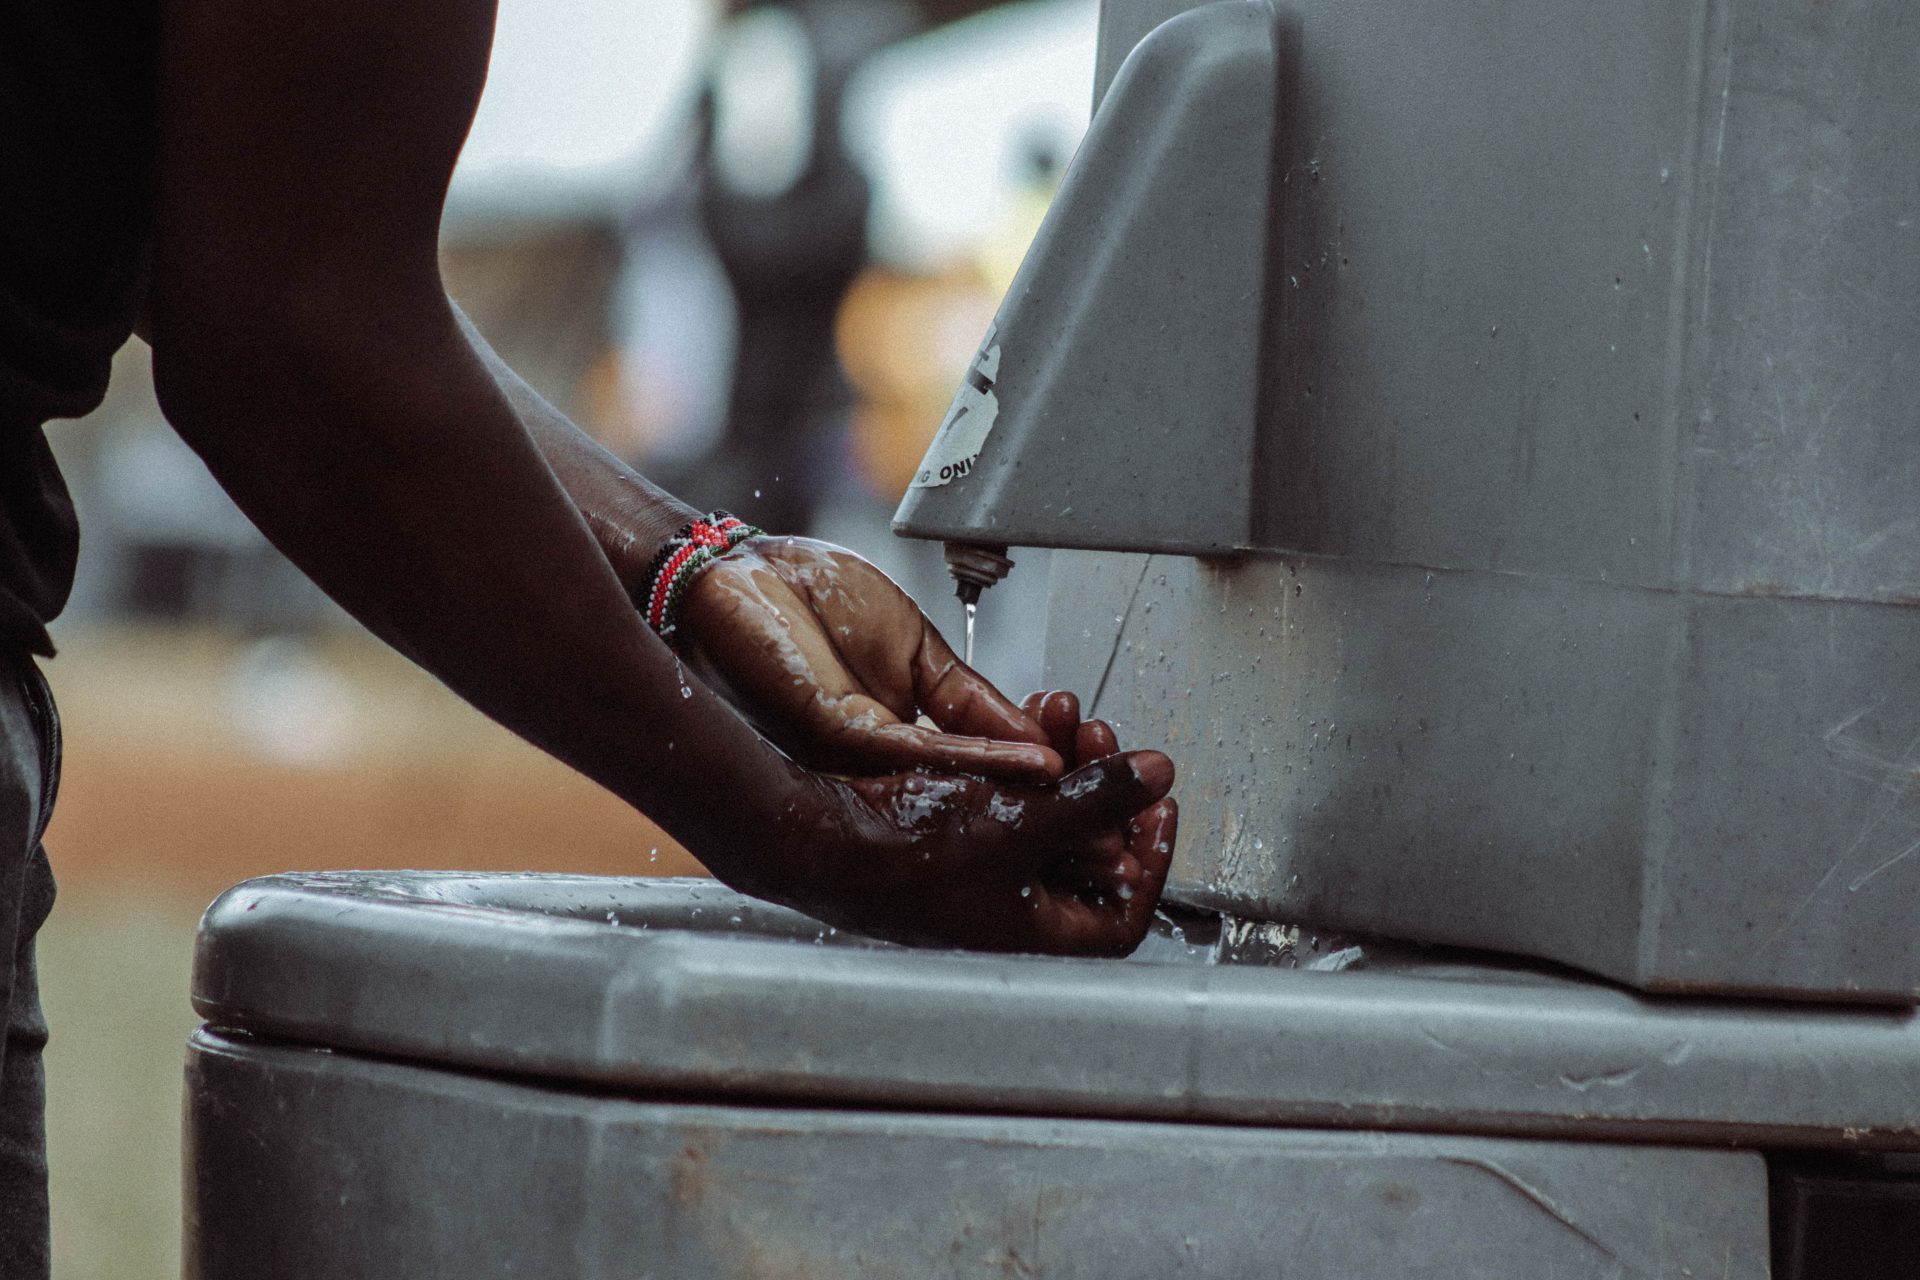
{"type": "Point", "coordinates": [1094, 797]}
{"type": "Point", "coordinates": [1060, 719]}
{"type": "Point", "coordinates": [1109, 912]}
{"type": "Point", "coordinates": [1094, 740]}
{"type": "Point", "coordinates": [1030, 705]}
{"type": "Point", "coordinates": [960, 700]}
{"type": "Point", "coordinates": [1066, 924]}
{"type": "Point", "coordinates": [895, 747]}
{"type": "Point", "coordinates": [1093, 870]}
{"type": "Point", "coordinates": [1151, 837]}
{"type": "Point", "coordinates": [1102, 867]}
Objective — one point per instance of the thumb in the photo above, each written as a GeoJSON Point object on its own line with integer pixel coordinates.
{"type": "Point", "coordinates": [1096, 798]}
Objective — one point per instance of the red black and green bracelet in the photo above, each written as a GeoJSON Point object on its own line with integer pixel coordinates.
{"type": "Point", "coordinates": [681, 559]}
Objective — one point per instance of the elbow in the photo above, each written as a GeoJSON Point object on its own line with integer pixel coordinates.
{"type": "Point", "coordinates": [232, 350]}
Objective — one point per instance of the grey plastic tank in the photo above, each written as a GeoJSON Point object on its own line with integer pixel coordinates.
{"type": "Point", "coordinates": [1576, 609]}
{"type": "Point", "coordinates": [1560, 606]}
{"type": "Point", "coordinates": [435, 1076]}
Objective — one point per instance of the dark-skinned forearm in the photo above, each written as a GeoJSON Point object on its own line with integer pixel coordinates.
{"type": "Point", "coordinates": [304, 345]}
{"type": "Point", "coordinates": [630, 515]}
{"type": "Point", "coordinates": [416, 497]}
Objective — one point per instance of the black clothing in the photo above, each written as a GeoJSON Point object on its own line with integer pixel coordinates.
{"type": "Point", "coordinates": [29, 776]}
{"type": "Point", "coordinates": [77, 164]}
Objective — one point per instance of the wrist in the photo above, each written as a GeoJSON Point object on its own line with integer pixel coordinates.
{"type": "Point", "coordinates": [759, 834]}
{"type": "Point", "coordinates": [632, 519]}
{"type": "Point", "coordinates": [681, 562]}
{"type": "Point", "coordinates": [629, 515]}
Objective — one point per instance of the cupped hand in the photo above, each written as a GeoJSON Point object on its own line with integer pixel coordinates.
{"type": "Point", "coordinates": [834, 662]}
{"type": "Point", "coordinates": [1075, 867]}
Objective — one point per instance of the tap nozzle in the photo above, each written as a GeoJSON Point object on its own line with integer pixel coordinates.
{"type": "Point", "coordinates": [975, 568]}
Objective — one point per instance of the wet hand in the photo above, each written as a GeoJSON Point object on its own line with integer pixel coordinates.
{"type": "Point", "coordinates": [1071, 868]}
{"type": "Point", "coordinates": [834, 662]}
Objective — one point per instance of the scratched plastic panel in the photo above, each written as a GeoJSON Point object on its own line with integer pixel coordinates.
{"type": "Point", "coordinates": [1626, 292]}
{"type": "Point", "coordinates": [1805, 451]}
{"type": "Point", "coordinates": [305, 1165]}
{"type": "Point", "coordinates": [1386, 750]}
{"type": "Point", "coordinates": [1674, 790]}
{"type": "Point", "coordinates": [1474, 361]}
{"type": "Point", "coordinates": [1784, 849]}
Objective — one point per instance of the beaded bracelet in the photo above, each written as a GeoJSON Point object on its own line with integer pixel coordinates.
{"type": "Point", "coordinates": [681, 559]}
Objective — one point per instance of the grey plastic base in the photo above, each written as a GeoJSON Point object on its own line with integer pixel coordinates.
{"type": "Point", "coordinates": [684, 987]}
{"type": "Point", "coordinates": [308, 1165]}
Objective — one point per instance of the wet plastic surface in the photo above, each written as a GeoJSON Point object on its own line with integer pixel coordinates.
{"type": "Point", "coordinates": [649, 986]}
{"type": "Point", "coordinates": [1681, 792]}
{"type": "Point", "coordinates": [1589, 612]}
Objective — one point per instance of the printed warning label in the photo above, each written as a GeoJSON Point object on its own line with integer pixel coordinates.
{"type": "Point", "coordinates": [956, 446]}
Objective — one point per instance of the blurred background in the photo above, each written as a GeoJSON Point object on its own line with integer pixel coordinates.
{"type": "Point", "coordinates": [751, 249]}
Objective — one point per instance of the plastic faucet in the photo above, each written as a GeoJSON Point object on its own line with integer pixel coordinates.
{"type": "Point", "coordinates": [1112, 404]}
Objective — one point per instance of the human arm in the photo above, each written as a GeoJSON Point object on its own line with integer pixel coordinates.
{"type": "Point", "coordinates": [304, 346]}
{"type": "Point", "coordinates": [872, 662]}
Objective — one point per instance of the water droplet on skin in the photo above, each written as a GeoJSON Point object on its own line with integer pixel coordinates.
{"type": "Point", "coordinates": [920, 799]}
{"type": "Point", "coordinates": [1001, 809]}
{"type": "Point", "coordinates": [1124, 893]}
{"type": "Point", "coordinates": [756, 493]}
{"type": "Point", "coordinates": [1075, 787]}
{"type": "Point", "coordinates": [685, 692]}
{"type": "Point", "coordinates": [1026, 891]}
{"type": "Point", "coordinates": [653, 855]}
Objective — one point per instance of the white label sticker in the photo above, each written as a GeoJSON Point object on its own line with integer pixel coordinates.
{"type": "Point", "coordinates": [957, 444]}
